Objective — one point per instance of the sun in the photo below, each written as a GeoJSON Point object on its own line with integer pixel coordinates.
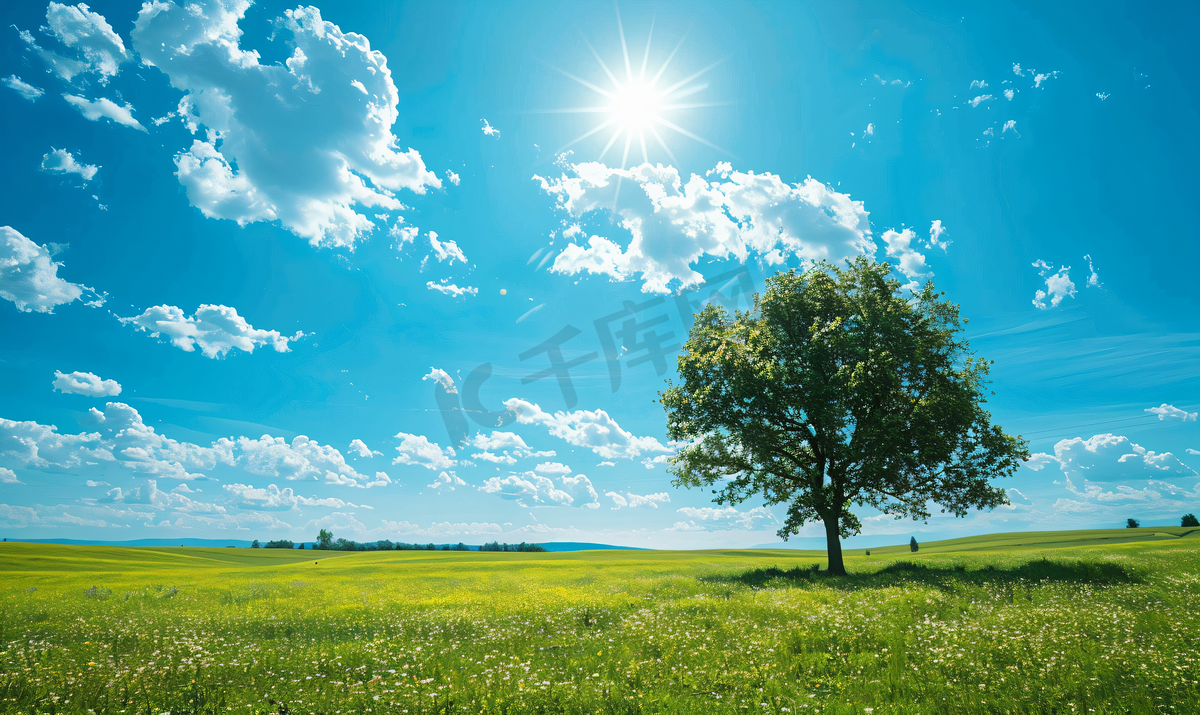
{"type": "Point", "coordinates": [634, 107]}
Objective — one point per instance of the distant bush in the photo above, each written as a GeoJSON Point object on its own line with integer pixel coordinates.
{"type": "Point", "coordinates": [521, 547]}
{"type": "Point", "coordinates": [255, 545]}
{"type": "Point", "coordinates": [1132, 523]}
{"type": "Point", "coordinates": [278, 544]}
{"type": "Point", "coordinates": [1189, 520]}
{"type": "Point", "coordinates": [912, 544]}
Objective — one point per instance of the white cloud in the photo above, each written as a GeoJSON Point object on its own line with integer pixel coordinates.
{"type": "Point", "coordinates": [575, 491]}
{"type": "Point", "coordinates": [29, 278]}
{"type": "Point", "coordinates": [309, 149]}
{"type": "Point", "coordinates": [446, 288]}
{"type": "Point", "coordinates": [403, 235]}
{"type": "Point", "coordinates": [504, 442]}
{"type": "Point", "coordinates": [446, 249]}
{"type": "Point", "coordinates": [1038, 461]}
{"type": "Point", "coordinates": [978, 84]}
{"type": "Point", "coordinates": [442, 378]}
{"type": "Point", "coordinates": [217, 329]}
{"type": "Point", "coordinates": [272, 498]}
{"type": "Point", "coordinates": [104, 108]}
{"type": "Point", "coordinates": [910, 261]}
{"type": "Point", "coordinates": [1102, 96]}
{"type": "Point", "coordinates": [1010, 124]}
{"type": "Point", "coordinates": [606, 464]}
{"type": "Point", "coordinates": [442, 529]}
{"type": "Point", "coordinates": [300, 460]}
{"type": "Point", "coordinates": [59, 161]}
{"type": "Point", "coordinates": [418, 450]}
{"type": "Point", "coordinates": [452, 177]}
{"type": "Point", "coordinates": [1093, 280]}
{"type": "Point", "coordinates": [449, 480]}
{"type": "Point", "coordinates": [724, 519]}
{"type": "Point", "coordinates": [1189, 450]}
{"type": "Point", "coordinates": [651, 462]}
{"type": "Point", "coordinates": [8, 476]}
{"type": "Point", "coordinates": [1164, 411]}
{"type": "Point", "coordinates": [91, 483]}
{"type": "Point", "coordinates": [582, 428]}
{"type": "Point", "coordinates": [1112, 458]}
{"type": "Point", "coordinates": [90, 35]}
{"type": "Point", "coordinates": [936, 229]}
{"type": "Point", "coordinates": [489, 130]}
{"type": "Point", "coordinates": [1017, 70]}
{"type": "Point", "coordinates": [85, 383]}
{"type": "Point", "coordinates": [360, 448]}
{"type": "Point", "coordinates": [673, 225]}
{"type": "Point", "coordinates": [1009, 93]}
{"type": "Point", "coordinates": [635, 500]}
{"type": "Point", "coordinates": [1058, 285]}
{"type": "Point", "coordinates": [552, 468]}
{"type": "Point", "coordinates": [1042, 77]}
{"type": "Point", "coordinates": [980, 100]}
{"type": "Point", "coordinates": [26, 90]}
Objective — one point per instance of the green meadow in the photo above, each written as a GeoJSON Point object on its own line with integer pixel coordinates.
{"type": "Point", "coordinates": [1066, 622]}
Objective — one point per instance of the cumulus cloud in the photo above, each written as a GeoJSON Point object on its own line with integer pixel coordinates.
{"type": "Point", "coordinates": [489, 130]}
{"type": "Point", "coordinates": [417, 450]}
{"type": "Point", "coordinates": [1165, 411]}
{"type": "Point", "coordinates": [910, 261]}
{"type": "Point", "coordinates": [446, 250]}
{"type": "Point", "coordinates": [452, 177]}
{"type": "Point", "coordinates": [582, 428]}
{"type": "Point", "coordinates": [980, 100]}
{"type": "Point", "coordinates": [1058, 285]}
{"type": "Point", "coordinates": [552, 468]}
{"type": "Point", "coordinates": [1009, 94]}
{"type": "Point", "coordinates": [446, 288]}
{"type": "Point", "coordinates": [310, 149]}
{"type": "Point", "coordinates": [8, 476]}
{"type": "Point", "coordinates": [90, 35]}
{"type": "Point", "coordinates": [1038, 461]}
{"type": "Point", "coordinates": [26, 90]}
{"type": "Point", "coordinates": [509, 445]}
{"type": "Point", "coordinates": [672, 224]}
{"type": "Point", "coordinates": [442, 378]}
{"type": "Point", "coordinates": [1010, 124]}
{"type": "Point", "coordinates": [59, 161]}
{"type": "Point", "coordinates": [635, 500]}
{"type": "Point", "coordinates": [28, 276]}
{"type": "Point", "coordinates": [1093, 280]}
{"type": "Point", "coordinates": [530, 489]}
{"type": "Point", "coordinates": [449, 480]}
{"type": "Point", "coordinates": [85, 383]}
{"type": "Point", "coordinates": [1114, 458]}
{"type": "Point", "coordinates": [302, 459]}
{"type": "Point", "coordinates": [217, 329]}
{"type": "Point", "coordinates": [1189, 450]}
{"type": "Point", "coordinates": [724, 519]}
{"type": "Point", "coordinates": [936, 230]}
{"type": "Point", "coordinates": [360, 448]}
{"type": "Point", "coordinates": [104, 108]}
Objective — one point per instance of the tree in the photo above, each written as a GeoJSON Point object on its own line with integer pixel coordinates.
{"type": "Point", "coordinates": [324, 540]}
{"type": "Point", "coordinates": [1189, 520]}
{"type": "Point", "coordinates": [912, 544]}
{"type": "Point", "coordinates": [837, 389]}
{"type": "Point", "coordinates": [255, 544]}
{"type": "Point", "coordinates": [1132, 523]}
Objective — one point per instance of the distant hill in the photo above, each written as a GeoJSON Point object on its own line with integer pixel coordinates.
{"type": "Point", "coordinates": [243, 544]}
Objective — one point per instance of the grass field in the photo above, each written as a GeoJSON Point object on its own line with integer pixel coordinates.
{"type": "Point", "coordinates": [1066, 622]}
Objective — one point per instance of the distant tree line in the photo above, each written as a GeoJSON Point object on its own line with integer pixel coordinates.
{"type": "Point", "coordinates": [326, 542]}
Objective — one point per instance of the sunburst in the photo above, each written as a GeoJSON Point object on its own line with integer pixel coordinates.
{"type": "Point", "coordinates": [635, 107]}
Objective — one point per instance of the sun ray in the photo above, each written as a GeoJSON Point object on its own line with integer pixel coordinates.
{"type": "Point", "coordinates": [625, 154]}
{"type": "Point", "coordinates": [574, 110]}
{"type": "Point", "coordinates": [689, 91]}
{"type": "Point", "coordinates": [646, 56]}
{"type": "Point", "coordinates": [611, 140]}
{"type": "Point", "coordinates": [624, 47]}
{"type": "Point", "coordinates": [585, 136]}
{"type": "Point", "coordinates": [642, 140]}
{"type": "Point", "coordinates": [690, 135]}
{"type": "Point", "coordinates": [697, 105]}
{"type": "Point", "coordinates": [667, 62]}
{"type": "Point", "coordinates": [680, 83]}
{"type": "Point", "coordinates": [587, 84]}
{"type": "Point", "coordinates": [616, 82]}
{"type": "Point", "coordinates": [663, 144]}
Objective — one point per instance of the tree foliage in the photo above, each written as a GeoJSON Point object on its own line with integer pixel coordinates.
{"type": "Point", "coordinates": [837, 389]}
{"type": "Point", "coordinates": [1189, 520]}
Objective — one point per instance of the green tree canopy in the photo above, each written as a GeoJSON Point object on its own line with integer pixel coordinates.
{"type": "Point", "coordinates": [838, 389]}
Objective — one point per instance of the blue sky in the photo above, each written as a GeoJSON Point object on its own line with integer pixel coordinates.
{"type": "Point", "coordinates": [270, 268]}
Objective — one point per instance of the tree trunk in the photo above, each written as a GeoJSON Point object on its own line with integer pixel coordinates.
{"type": "Point", "coordinates": [834, 546]}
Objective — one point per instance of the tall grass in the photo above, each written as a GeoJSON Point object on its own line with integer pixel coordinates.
{"type": "Point", "coordinates": [1112, 630]}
